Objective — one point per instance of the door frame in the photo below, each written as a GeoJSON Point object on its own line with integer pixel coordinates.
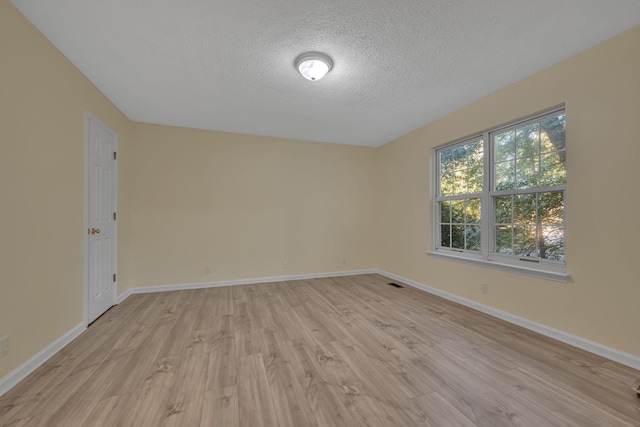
{"type": "Point", "coordinates": [88, 118]}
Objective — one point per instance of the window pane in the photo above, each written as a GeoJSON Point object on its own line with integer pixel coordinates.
{"type": "Point", "coordinates": [527, 139]}
{"type": "Point", "coordinates": [524, 209]}
{"type": "Point", "coordinates": [504, 145]}
{"type": "Point", "coordinates": [462, 169]}
{"type": "Point", "coordinates": [527, 172]}
{"type": "Point", "coordinates": [459, 158]}
{"type": "Point", "coordinates": [474, 156]}
{"type": "Point", "coordinates": [475, 166]}
{"type": "Point", "coordinates": [552, 170]}
{"type": "Point", "coordinates": [553, 134]}
{"type": "Point", "coordinates": [473, 211]}
{"type": "Point", "coordinates": [503, 210]}
{"type": "Point", "coordinates": [550, 208]}
{"type": "Point", "coordinates": [445, 212]}
{"type": "Point", "coordinates": [445, 235]}
{"type": "Point", "coordinates": [457, 236]}
{"type": "Point", "coordinates": [475, 182]}
{"type": "Point", "coordinates": [524, 241]}
{"type": "Point", "coordinates": [505, 175]}
{"type": "Point", "coordinates": [446, 185]}
{"type": "Point", "coordinates": [446, 161]}
{"type": "Point", "coordinates": [553, 142]}
{"type": "Point", "coordinates": [460, 183]}
{"type": "Point", "coordinates": [552, 246]}
{"type": "Point", "coordinates": [473, 237]}
{"type": "Point", "coordinates": [457, 211]}
{"type": "Point", "coordinates": [504, 244]}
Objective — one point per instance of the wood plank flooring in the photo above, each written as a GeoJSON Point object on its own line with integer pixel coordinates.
{"type": "Point", "coordinates": [348, 351]}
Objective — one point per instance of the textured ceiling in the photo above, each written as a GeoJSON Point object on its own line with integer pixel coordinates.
{"type": "Point", "coordinates": [228, 64]}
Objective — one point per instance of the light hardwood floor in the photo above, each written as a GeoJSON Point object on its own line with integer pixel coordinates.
{"type": "Point", "coordinates": [349, 351]}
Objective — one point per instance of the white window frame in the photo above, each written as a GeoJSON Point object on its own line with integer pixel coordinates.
{"type": "Point", "coordinates": [537, 267]}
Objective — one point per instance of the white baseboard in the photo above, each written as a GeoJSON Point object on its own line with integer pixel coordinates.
{"type": "Point", "coordinates": [22, 371]}
{"type": "Point", "coordinates": [576, 341]}
{"type": "Point", "coordinates": [236, 282]}
{"type": "Point", "coordinates": [123, 296]}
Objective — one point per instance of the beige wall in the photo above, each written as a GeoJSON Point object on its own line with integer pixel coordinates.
{"type": "Point", "coordinates": [42, 103]}
{"type": "Point", "coordinates": [601, 90]}
{"type": "Point", "coordinates": [243, 204]}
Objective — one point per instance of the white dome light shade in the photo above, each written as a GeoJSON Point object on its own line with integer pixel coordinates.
{"type": "Point", "coordinates": [314, 65]}
{"type": "Point", "coordinates": [313, 69]}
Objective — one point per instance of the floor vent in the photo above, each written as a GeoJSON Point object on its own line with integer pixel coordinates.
{"type": "Point", "coordinates": [395, 285]}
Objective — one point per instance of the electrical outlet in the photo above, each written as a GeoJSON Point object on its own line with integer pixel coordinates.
{"type": "Point", "coordinates": [207, 270]}
{"type": "Point", "coordinates": [344, 261]}
{"type": "Point", "coordinates": [285, 264]}
{"type": "Point", "coordinates": [4, 346]}
{"type": "Point", "coordinates": [484, 288]}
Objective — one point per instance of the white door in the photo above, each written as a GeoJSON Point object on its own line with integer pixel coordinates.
{"type": "Point", "coordinates": [101, 145]}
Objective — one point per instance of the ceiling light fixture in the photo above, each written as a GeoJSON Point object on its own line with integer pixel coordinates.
{"type": "Point", "coordinates": [314, 65]}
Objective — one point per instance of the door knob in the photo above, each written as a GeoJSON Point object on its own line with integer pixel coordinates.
{"type": "Point", "coordinates": [94, 231]}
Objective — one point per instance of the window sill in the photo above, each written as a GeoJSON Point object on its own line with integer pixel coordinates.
{"type": "Point", "coordinates": [542, 274]}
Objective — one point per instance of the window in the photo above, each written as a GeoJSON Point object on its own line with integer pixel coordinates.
{"type": "Point", "coordinates": [461, 183]}
{"type": "Point", "coordinates": [500, 197]}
